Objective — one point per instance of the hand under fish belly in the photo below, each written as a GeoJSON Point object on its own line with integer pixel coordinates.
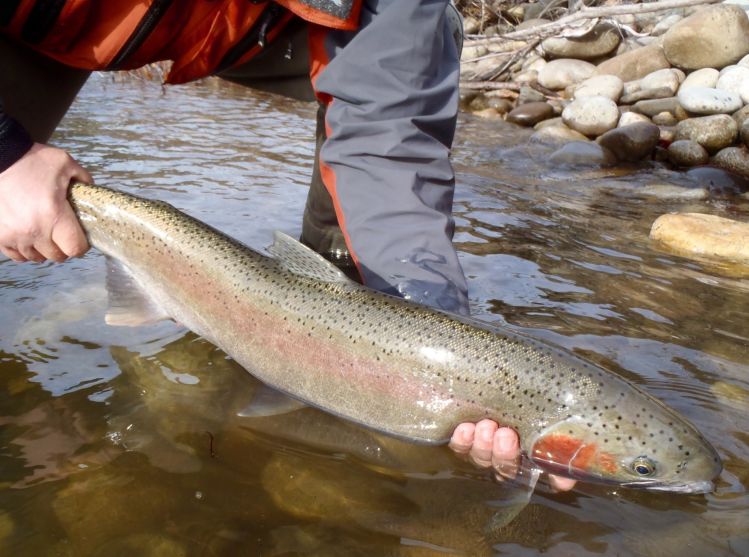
{"type": "Point", "coordinates": [298, 324]}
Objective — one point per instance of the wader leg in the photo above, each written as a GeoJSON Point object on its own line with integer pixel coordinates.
{"type": "Point", "coordinates": [35, 90]}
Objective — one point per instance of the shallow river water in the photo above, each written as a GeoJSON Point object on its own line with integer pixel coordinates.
{"type": "Point", "coordinates": [127, 441]}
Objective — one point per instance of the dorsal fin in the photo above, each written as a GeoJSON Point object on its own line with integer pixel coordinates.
{"type": "Point", "coordinates": [297, 258]}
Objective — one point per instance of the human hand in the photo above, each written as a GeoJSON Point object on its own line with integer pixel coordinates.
{"type": "Point", "coordinates": [488, 445]}
{"type": "Point", "coordinates": [36, 220]}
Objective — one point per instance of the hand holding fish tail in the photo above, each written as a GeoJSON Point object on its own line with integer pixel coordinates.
{"type": "Point", "coordinates": [36, 220]}
{"type": "Point", "coordinates": [487, 445]}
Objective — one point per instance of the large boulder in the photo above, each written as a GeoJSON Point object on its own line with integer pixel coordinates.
{"type": "Point", "coordinates": [635, 64]}
{"type": "Point", "coordinates": [714, 37]}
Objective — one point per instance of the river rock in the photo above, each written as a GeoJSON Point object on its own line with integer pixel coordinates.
{"type": "Point", "coordinates": [471, 25]}
{"type": "Point", "coordinates": [529, 95]}
{"type": "Point", "coordinates": [706, 77]}
{"type": "Point", "coordinates": [643, 94]}
{"type": "Point", "coordinates": [665, 24]}
{"type": "Point", "coordinates": [556, 135]}
{"type": "Point", "coordinates": [744, 61]}
{"type": "Point", "coordinates": [530, 23]}
{"type": "Point", "coordinates": [717, 181]}
{"type": "Point", "coordinates": [635, 64]}
{"type": "Point", "coordinates": [744, 132]}
{"type": "Point", "coordinates": [744, 91]}
{"type": "Point", "coordinates": [732, 79]}
{"type": "Point", "coordinates": [591, 116]}
{"type": "Point", "coordinates": [661, 79]}
{"type": "Point", "coordinates": [628, 118]}
{"type": "Point", "coordinates": [608, 86]}
{"type": "Point", "coordinates": [713, 37]}
{"type": "Point", "coordinates": [531, 113]}
{"type": "Point", "coordinates": [561, 73]}
{"type": "Point", "coordinates": [652, 107]}
{"type": "Point", "coordinates": [631, 143]}
{"type": "Point", "coordinates": [704, 100]}
{"type": "Point", "coordinates": [601, 40]}
{"type": "Point", "coordinates": [733, 159]}
{"type": "Point", "coordinates": [712, 132]}
{"type": "Point", "coordinates": [703, 236]}
{"type": "Point", "coordinates": [741, 115]}
{"type": "Point", "coordinates": [686, 152]}
{"type": "Point", "coordinates": [582, 153]}
{"type": "Point", "coordinates": [470, 52]}
{"type": "Point", "coordinates": [665, 119]}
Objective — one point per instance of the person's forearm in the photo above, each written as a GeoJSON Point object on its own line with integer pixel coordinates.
{"type": "Point", "coordinates": [15, 142]}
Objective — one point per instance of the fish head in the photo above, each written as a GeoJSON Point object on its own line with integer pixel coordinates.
{"type": "Point", "coordinates": [653, 449]}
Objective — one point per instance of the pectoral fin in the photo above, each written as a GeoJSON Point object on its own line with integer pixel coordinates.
{"type": "Point", "coordinates": [269, 402]}
{"type": "Point", "coordinates": [129, 304]}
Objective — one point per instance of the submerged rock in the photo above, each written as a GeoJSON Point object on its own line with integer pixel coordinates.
{"type": "Point", "coordinates": [703, 236]}
{"type": "Point", "coordinates": [531, 113]}
{"type": "Point", "coordinates": [631, 143]}
{"type": "Point", "coordinates": [556, 135]}
{"type": "Point", "coordinates": [582, 153]}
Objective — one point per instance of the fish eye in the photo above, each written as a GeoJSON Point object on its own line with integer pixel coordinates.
{"type": "Point", "coordinates": [643, 466]}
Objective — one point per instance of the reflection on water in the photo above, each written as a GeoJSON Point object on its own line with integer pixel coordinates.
{"type": "Point", "coordinates": [127, 441]}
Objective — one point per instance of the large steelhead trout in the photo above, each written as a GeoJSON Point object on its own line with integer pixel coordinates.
{"type": "Point", "coordinates": [297, 323]}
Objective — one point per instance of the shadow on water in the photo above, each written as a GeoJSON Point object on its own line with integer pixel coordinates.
{"type": "Point", "coordinates": [127, 441]}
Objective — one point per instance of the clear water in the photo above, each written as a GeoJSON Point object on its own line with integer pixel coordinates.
{"type": "Point", "coordinates": [126, 441]}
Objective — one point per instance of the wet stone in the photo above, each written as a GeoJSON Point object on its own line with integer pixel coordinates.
{"type": "Point", "coordinates": [712, 132]}
{"type": "Point", "coordinates": [733, 159]}
{"type": "Point", "coordinates": [703, 236]}
{"type": "Point", "coordinates": [705, 100]}
{"type": "Point", "coordinates": [591, 116]}
{"type": "Point", "coordinates": [561, 73]}
{"type": "Point", "coordinates": [687, 153]}
{"type": "Point", "coordinates": [531, 113]}
{"type": "Point", "coordinates": [556, 135]}
{"type": "Point", "coordinates": [577, 153]}
{"type": "Point", "coordinates": [631, 143]}
{"type": "Point", "coordinates": [718, 181]}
